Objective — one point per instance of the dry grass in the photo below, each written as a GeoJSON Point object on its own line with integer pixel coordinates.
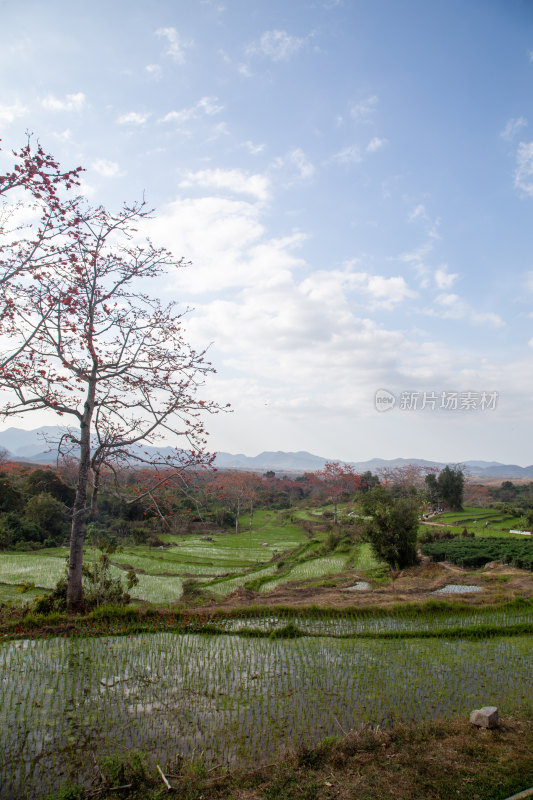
{"type": "Point", "coordinates": [438, 763]}
{"type": "Point", "coordinates": [444, 761]}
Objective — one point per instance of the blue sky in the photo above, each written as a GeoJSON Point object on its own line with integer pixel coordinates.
{"type": "Point", "coordinates": [353, 182]}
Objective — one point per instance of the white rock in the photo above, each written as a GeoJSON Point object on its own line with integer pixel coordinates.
{"type": "Point", "coordinates": [486, 717]}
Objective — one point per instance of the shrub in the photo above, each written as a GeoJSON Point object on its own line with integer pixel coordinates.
{"type": "Point", "coordinates": [391, 527]}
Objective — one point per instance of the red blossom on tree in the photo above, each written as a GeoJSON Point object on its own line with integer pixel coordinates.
{"type": "Point", "coordinates": [336, 482]}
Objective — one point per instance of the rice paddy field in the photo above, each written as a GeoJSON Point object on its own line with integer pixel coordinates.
{"type": "Point", "coordinates": [233, 699]}
{"type": "Point", "coordinates": [226, 560]}
{"type": "Point", "coordinates": [241, 687]}
{"type": "Point", "coordinates": [480, 521]}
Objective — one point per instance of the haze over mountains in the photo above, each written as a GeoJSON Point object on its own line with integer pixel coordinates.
{"type": "Point", "coordinates": [31, 445]}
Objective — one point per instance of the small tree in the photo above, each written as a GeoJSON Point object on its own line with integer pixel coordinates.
{"type": "Point", "coordinates": [237, 489]}
{"type": "Point", "coordinates": [432, 489]}
{"type": "Point", "coordinates": [337, 482]}
{"type": "Point", "coordinates": [451, 487]}
{"type": "Point", "coordinates": [91, 346]}
{"type": "Point", "coordinates": [391, 526]}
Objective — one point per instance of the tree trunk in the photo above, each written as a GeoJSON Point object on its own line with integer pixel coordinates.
{"type": "Point", "coordinates": [237, 515]}
{"type": "Point", "coordinates": [79, 511]}
{"type": "Point", "coordinates": [251, 513]}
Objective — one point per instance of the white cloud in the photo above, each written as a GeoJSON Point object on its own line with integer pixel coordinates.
{"type": "Point", "coordinates": [364, 109]}
{"type": "Point", "coordinates": [388, 292]}
{"type": "Point", "coordinates": [133, 118]}
{"type": "Point", "coordinates": [348, 155]}
{"type": "Point", "coordinates": [365, 291]}
{"type": "Point", "coordinates": [296, 160]}
{"type": "Point", "coordinates": [208, 106]}
{"type": "Point", "coordinates": [417, 260]}
{"type": "Point", "coordinates": [12, 112]}
{"type": "Point", "coordinates": [445, 279]}
{"type": "Point", "coordinates": [72, 102]}
{"type": "Point", "coordinates": [277, 45]}
{"type": "Point", "coordinates": [523, 177]}
{"type": "Point", "coordinates": [176, 46]}
{"type": "Point", "coordinates": [252, 148]}
{"type": "Point", "coordinates": [85, 189]}
{"type": "Point", "coordinates": [375, 144]}
{"type": "Point", "coordinates": [512, 127]}
{"type": "Point", "coordinates": [218, 130]}
{"type": "Point", "coordinates": [225, 240]}
{"type": "Point", "coordinates": [418, 212]}
{"type": "Point", "coordinates": [64, 136]}
{"type": "Point", "coordinates": [105, 168]}
{"type": "Point", "coordinates": [232, 180]}
{"type": "Point", "coordinates": [451, 306]}
{"type": "Point", "coordinates": [154, 70]}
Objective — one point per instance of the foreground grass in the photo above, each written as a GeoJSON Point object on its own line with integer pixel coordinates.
{"type": "Point", "coordinates": [487, 620]}
{"type": "Point", "coordinates": [434, 762]}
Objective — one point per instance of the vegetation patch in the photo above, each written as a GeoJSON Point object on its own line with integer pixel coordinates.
{"type": "Point", "coordinates": [477, 552]}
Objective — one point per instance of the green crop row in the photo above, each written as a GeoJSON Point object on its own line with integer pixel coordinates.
{"type": "Point", "coordinates": [476, 552]}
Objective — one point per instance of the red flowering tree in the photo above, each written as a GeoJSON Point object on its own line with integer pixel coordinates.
{"type": "Point", "coordinates": [112, 359]}
{"type": "Point", "coordinates": [238, 490]}
{"type": "Point", "coordinates": [337, 482]}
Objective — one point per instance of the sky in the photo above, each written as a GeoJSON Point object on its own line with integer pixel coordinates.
{"type": "Point", "coordinates": [352, 181]}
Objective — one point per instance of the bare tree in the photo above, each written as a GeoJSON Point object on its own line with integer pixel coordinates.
{"type": "Point", "coordinates": [100, 351]}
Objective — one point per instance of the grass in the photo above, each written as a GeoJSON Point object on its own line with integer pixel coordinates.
{"type": "Point", "coordinates": [313, 568]}
{"type": "Point", "coordinates": [43, 569]}
{"type": "Point", "coordinates": [364, 558]}
{"type": "Point", "coordinates": [438, 762]}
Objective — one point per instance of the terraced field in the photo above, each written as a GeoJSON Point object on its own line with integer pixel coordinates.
{"type": "Point", "coordinates": [276, 552]}
{"type": "Point", "coordinates": [220, 562]}
{"type": "Point", "coordinates": [480, 521]}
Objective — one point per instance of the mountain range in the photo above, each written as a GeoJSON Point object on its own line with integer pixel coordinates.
{"type": "Point", "coordinates": [31, 445]}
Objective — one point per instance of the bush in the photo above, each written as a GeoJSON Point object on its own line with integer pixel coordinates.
{"type": "Point", "coordinates": [435, 534]}
{"type": "Point", "coordinates": [391, 527]}
{"type": "Point", "coordinates": [225, 518]}
{"type": "Point", "coordinates": [49, 514]}
{"type": "Point", "coordinates": [99, 587]}
{"type": "Point", "coordinates": [19, 533]}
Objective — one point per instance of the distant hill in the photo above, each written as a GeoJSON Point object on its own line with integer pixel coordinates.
{"type": "Point", "coordinates": [24, 445]}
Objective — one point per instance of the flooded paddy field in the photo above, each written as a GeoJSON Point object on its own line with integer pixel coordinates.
{"type": "Point", "coordinates": [229, 698]}
{"type": "Point", "coordinates": [361, 624]}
